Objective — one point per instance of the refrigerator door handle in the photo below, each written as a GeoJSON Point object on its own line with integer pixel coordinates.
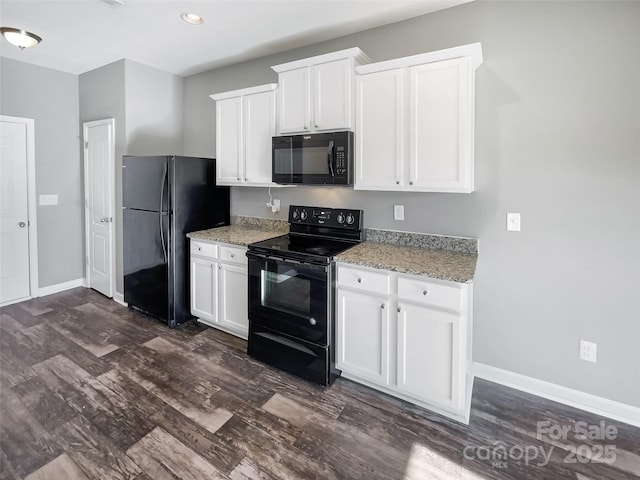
{"type": "Point", "coordinates": [162, 213]}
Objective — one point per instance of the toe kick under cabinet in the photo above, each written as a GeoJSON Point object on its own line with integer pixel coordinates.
{"type": "Point", "coordinates": [406, 335]}
{"type": "Point", "coordinates": [219, 286]}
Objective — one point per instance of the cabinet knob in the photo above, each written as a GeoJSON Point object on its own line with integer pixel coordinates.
{"type": "Point", "coordinates": [382, 306]}
{"type": "Point", "coordinates": [359, 280]}
{"type": "Point", "coordinates": [199, 249]}
{"type": "Point", "coordinates": [219, 267]}
{"type": "Point", "coordinates": [411, 182]}
{"type": "Point", "coordinates": [233, 255]}
{"type": "Point", "coordinates": [397, 182]}
{"type": "Point", "coordinates": [424, 292]}
{"type": "Point", "coordinates": [238, 178]}
{"type": "Point", "coordinates": [399, 309]}
{"type": "Point", "coordinates": [246, 179]}
{"type": "Point", "coordinates": [312, 321]}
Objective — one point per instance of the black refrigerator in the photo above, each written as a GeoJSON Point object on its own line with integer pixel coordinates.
{"type": "Point", "coordinates": [163, 199]}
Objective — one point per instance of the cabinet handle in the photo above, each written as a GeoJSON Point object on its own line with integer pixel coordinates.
{"type": "Point", "coordinates": [359, 280]}
{"type": "Point", "coordinates": [424, 292]}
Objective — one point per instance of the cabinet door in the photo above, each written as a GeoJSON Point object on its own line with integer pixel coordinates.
{"type": "Point", "coordinates": [429, 349]}
{"type": "Point", "coordinates": [332, 87]}
{"type": "Point", "coordinates": [294, 101]}
{"type": "Point", "coordinates": [380, 140]}
{"type": "Point", "coordinates": [440, 126]}
{"type": "Point", "coordinates": [233, 299]}
{"type": "Point", "coordinates": [259, 127]}
{"type": "Point", "coordinates": [362, 336]}
{"type": "Point", "coordinates": [204, 289]}
{"type": "Point", "coordinates": [229, 144]}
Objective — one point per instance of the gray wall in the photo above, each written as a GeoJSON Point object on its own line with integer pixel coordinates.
{"type": "Point", "coordinates": [557, 139]}
{"type": "Point", "coordinates": [102, 95]}
{"type": "Point", "coordinates": [147, 105]}
{"type": "Point", "coordinates": [50, 97]}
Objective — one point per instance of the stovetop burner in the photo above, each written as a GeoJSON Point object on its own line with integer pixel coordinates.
{"type": "Point", "coordinates": [315, 234]}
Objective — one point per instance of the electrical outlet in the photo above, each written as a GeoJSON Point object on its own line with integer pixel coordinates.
{"type": "Point", "coordinates": [398, 212]}
{"type": "Point", "coordinates": [275, 205]}
{"type": "Point", "coordinates": [588, 351]}
{"type": "Point", "coordinates": [513, 222]}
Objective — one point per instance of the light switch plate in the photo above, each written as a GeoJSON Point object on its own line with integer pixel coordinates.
{"type": "Point", "coordinates": [398, 212]}
{"type": "Point", "coordinates": [513, 222]}
{"type": "Point", "coordinates": [48, 200]}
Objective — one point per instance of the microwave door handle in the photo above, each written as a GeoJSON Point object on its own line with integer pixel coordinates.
{"type": "Point", "coordinates": [330, 158]}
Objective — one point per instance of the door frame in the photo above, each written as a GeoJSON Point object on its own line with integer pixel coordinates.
{"type": "Point", "coordinates": [32, 204]}
{"type": "Point", "coordinates": [112, 200]}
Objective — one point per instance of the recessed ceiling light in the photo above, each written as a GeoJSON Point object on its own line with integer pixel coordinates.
{"type": "Point", "coordinates": [20, 38]}
{"type": "Point", "coordinates": [192, 18]}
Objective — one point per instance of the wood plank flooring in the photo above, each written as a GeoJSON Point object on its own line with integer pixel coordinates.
{"type": "Point", "coordinates": [90, 390]}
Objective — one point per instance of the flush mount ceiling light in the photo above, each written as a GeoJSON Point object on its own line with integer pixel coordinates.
{"type": "Point", "coordinates": [20, 38]}
{"type": "Point", "coordinates": [192, 18]}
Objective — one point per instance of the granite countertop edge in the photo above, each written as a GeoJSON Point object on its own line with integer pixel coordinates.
{"type": "Point", "coordinates": [241, 235]}
{"type": "Point", "coordinates": [438, 264]}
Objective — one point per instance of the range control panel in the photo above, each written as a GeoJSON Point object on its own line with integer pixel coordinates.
{"type": "Point", "coordinates": [327, 217]}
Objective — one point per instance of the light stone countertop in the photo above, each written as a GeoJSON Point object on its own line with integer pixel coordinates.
{"type": "Point", "coordinates": [236, 234]}
{"type": "Point", "coordinates": [434, 263]}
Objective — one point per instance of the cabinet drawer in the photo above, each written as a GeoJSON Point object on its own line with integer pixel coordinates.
{"type": "Point", "coordinates": [377, 282]}
{"type": "Point", "coordinates": [233, 255]}
{"type": "Point", "coordinates": [432, 293]}
{"type": "Point", "coordinates": [203, 249]}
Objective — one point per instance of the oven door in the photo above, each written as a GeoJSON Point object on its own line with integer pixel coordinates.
{"type": "Point", "coordinates": [289, 297]}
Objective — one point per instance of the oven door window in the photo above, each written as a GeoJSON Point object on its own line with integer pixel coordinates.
{"type": "Point", "coordinates": [287, 290]}
{"type": "Point", "coordinates": [289, 297]}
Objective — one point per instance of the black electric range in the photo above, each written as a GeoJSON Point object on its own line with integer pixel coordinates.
{"type": "Point", "coordinates": [292, 294]}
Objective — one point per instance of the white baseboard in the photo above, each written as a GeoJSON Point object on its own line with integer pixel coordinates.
{"type": "Point", "coordinates": [568, 396]}
{"type": "Point", "coordinates": [119, 298]}
{"type": "Point", "coordinates": [60, 287]}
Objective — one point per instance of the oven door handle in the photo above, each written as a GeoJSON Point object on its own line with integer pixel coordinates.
{"type": "Point", "coordinates": [309, 266]}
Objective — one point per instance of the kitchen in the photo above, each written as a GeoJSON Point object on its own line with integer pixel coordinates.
{"type": "Point", "coordinates": [539, 150]}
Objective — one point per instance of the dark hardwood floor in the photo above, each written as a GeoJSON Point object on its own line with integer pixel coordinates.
{"type": "Point", "coordinates": [92, 390]}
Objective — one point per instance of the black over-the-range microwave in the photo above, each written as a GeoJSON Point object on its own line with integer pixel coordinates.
{"type": "Point", "coordinates": [313, 159]}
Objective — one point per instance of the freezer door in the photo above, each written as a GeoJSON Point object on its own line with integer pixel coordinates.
{"type": "Point", "coordinates": [146, 267]}
{"type": "Point", "coordinates": [145, 183]}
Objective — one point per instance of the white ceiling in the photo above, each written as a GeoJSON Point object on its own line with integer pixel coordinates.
{"type": "Point", "coordinates": [81, 35]}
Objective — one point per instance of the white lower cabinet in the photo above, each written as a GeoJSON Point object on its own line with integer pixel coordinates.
{"type": "Point", "coordinates": [233, 298]}
{"type": "Point", "coordinates": [204, 289]}
{"type": "Point", "coordinates": [406, 335]}
{"type": "Point", "coordinates": [219, 286]}
{"type": "Point", "coordinates": [362, 339]}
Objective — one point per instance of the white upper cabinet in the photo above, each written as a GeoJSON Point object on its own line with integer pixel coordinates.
{"type": "Point", "coordinates": [316, 94]}
{"type": "Point", "coordinates": [245, 123]}
{"type": "Point", "coordinates": [415, 122]}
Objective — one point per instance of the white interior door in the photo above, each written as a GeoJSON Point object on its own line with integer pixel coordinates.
{"type": "Point", "coordinates": [99, 146]}
{"type": "Point", "coordinates": [14, 211]}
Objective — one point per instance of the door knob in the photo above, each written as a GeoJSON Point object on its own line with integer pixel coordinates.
{"type": "Point", "coordinates": [22, 224]}
{"type": "Point", "coordinates": [104, 220]}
